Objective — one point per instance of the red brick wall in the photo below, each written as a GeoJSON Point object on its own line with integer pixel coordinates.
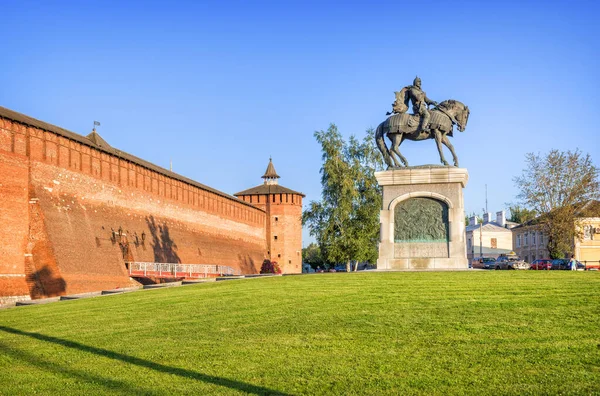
{"type": "Point", "coordinates": [79, 194]}
{"type": "Point", "coordinates": [284, 221]}
{"type": "Point", "coordinates": [14, 221]}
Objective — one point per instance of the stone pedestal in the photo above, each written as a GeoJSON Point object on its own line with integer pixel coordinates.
{"type": "Point", "coordinates": [422, 218]}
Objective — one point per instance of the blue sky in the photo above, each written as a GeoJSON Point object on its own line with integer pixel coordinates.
{"type": "Point", "coordinates": [218, 87]}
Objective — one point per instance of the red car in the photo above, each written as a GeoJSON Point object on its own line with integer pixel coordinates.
{"type": "Point", "coordinates": [541, 264]}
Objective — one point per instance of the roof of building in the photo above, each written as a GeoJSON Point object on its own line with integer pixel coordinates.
{"type": "Point", "coordinates": [95, 141]}
{"type": "Point", "coordinates": [98, 141]}
{"type": "Point", "coordinates": [268, 189]}
{"type": "Point", "coordinates": [488, 227]}
{"type": "Point", "coordinates": [270, 172]}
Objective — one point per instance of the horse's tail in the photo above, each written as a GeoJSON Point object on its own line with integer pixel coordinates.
{"type": "Point", "coordinates": [381, 145]}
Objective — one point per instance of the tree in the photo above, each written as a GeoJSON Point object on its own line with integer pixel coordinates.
{"type": "Point", "coordinates": [345, 222]}
{"type": "Point", "coordinates": [556, 186]}
{"type": "Point", "coordinates": [312, 255]}
{"type": "Point", "coordinates": [270, 267]}
{"type": "Point", "coordinates": [520, 214]}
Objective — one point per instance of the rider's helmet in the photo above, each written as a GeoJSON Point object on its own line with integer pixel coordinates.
{"type": "Point", "coordinates": [417, 81]}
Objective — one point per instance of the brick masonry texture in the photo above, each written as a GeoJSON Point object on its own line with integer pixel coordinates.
{"type": "Point", "coordinates": [283, 229]}
{"type": "Point", "coordinates": [64, 202]}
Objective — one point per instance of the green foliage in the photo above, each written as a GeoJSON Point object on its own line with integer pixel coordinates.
{"type": "Point", "coordinates": [555, 186]}
{"type": "Point", "coordinates": [345, 222]}
{"type": "Point", "coordinates": [521, 215]}
{"type": "Point", "coordinates": [454, 333]}
{"type": "Point", "coordinates": [312, 255]}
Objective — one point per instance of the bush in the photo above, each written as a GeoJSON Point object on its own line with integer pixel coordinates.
{"type": "Point", "coordinates": [270, 267]}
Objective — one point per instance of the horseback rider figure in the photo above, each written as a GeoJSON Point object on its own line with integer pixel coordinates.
{"type": "Point", "coordinates": [420, 102]}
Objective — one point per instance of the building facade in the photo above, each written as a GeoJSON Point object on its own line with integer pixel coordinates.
{"type": "Point", "coordinates": [491, 238]}
{"type": "Point", "coordinates": [531, 243]}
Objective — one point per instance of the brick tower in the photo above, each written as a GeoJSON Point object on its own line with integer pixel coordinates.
{"type": "Point", "coordinates": [283, 221]}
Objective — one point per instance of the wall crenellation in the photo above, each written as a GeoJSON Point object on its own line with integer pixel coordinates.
{"type": "Point", "coordinates": [50, 148]}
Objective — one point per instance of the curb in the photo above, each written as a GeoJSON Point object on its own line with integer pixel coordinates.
{"type": "Point", "coordinates": [163, 285]}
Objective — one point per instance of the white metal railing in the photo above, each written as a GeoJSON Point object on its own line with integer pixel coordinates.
{"type": "Point", "coordinates": [178, 270]}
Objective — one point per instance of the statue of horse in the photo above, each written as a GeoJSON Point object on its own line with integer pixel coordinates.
{"type": "Point", "coordinates": [399, 127]}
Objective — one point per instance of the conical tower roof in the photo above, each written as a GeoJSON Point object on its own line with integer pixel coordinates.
{"type": "Point", "coordinates": [270, 186]}
{"type": "Point", "coordinates": [270, 172]}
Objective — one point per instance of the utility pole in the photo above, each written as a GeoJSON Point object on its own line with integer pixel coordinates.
{"type": "Point", "coordinates": [486, 208]}
{"type": "Point", "coordinates": [481, 229]}
{"type": "Point", "coordinates": [481, 239]}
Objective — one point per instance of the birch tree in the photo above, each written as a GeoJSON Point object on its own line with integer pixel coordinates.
{"type": "Point", "coordinates": [345, 222]}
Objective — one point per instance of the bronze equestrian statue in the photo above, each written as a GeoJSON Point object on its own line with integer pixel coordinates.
{"type": "Point", "coordinates": [419, 100]}
{"type": "Point", "coordinates": [423, 124]}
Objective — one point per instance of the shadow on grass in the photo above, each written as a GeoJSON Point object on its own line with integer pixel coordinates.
{"type": "Point", "coordinates": [109, 383]}
{"type": "Point", "coordinates": [184, 373]}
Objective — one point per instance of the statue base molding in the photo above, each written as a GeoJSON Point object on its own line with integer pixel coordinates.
{"type": "Point", "coordinates": [423, 218]}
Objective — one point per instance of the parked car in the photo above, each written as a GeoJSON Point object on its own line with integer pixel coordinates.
{"type": "Point", "coordinates": [541, 264]}
{"type": "Point", "coordinates": [484, 263]}
{"type": "Point", "coordinates": [565, 265]}
{"type": "Point", "coordinates": [340, 268]}
{"type": "Point", "coordinates": [510, 262]}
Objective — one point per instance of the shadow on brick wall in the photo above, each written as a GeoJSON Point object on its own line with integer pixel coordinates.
{"type": "Point", "coordinates": [246, 265]}
{"type": "Point", "coordinates": [165, 249]}
{"type": "Point", "coordinates": [43, 283]}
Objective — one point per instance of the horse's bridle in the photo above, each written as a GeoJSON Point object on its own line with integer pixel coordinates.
{"type": "Point", "coordinates": [452, 120]}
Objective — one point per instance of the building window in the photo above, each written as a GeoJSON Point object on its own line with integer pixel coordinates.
{"type": "Point", "coordinates": [526, 258]}
{"type": "Point", "coordinates": [469, 243]}
{"type": "Point", "coordinates": [525, 239]}
{"type": "Point", "coordinates": [279, 255]}
{"type": "Point", "coordinates": [533, 239]}
{"type": "Point", "coordinates": [519, 240]}
{"type": "Point", "coordinates": [276, 218]}
{"type": "Point", "coordinates": [275, 237]}
{"type": "Point", "coordinates": [494, 243]}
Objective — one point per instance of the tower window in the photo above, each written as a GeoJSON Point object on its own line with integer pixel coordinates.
{"type": "Point", "coordinates": [279, 255]}
{"type": "Point", "coordinates": [276, 218]}
{"type": "Point", "coordinates": [275, 237]}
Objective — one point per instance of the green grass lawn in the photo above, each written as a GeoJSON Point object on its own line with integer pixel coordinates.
{"type": "Point", "coordinates": [509, 332]}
